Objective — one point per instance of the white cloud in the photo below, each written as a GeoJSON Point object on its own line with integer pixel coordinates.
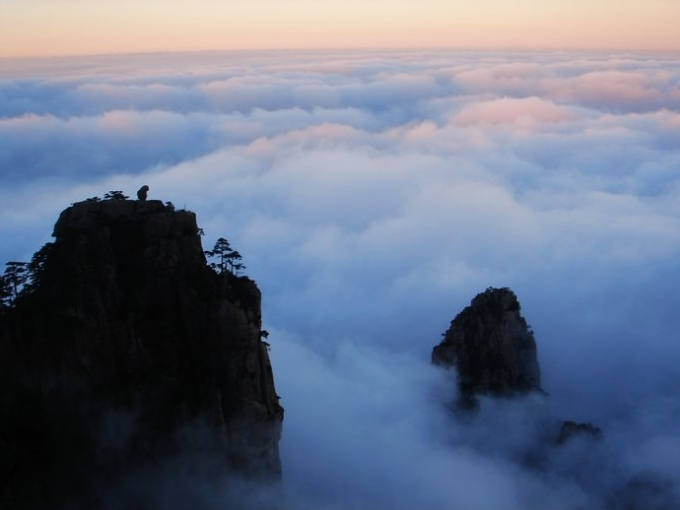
{"type": "Point", "coordinates": [372, 196]}
{"type": "Point", "coordinates": [526, 112]}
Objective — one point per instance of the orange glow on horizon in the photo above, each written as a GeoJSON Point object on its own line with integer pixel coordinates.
{"type": "Point", "coordinates": [74, 27]}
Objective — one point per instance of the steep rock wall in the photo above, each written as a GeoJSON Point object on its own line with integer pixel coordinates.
{"type": "Point", "coordinates": [130, 353]}
{"type": "Point", "coordinates": [491, 346]}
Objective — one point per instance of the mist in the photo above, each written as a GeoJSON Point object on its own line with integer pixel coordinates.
{"type": "Point", "coordinates": [373, 195]}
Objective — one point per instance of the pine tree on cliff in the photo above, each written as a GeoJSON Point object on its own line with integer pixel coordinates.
{"type": "Point", "coordinates": [227, 259]}
{"type": "Point", "coordinates": [119, 321]}
{"type": "Point", "coordinates": [115, 195]}
{"type": "Point", "coordinates": [21, 278]}
{"type": "Point", "coordinates": [5, 292]}
{"type": "Point", "coordinates": [13, 280]}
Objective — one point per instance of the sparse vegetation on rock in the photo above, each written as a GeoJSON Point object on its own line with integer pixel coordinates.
{"type": "Point", "coordinates": [123, 351]}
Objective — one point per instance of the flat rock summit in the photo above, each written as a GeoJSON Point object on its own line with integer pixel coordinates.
{"type": "Point", "coordinates": [127, 352]}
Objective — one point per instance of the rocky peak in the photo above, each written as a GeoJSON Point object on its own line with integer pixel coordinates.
{"type": "Point", "coordinates": [491, 346]}
{"type": "Point", "coordinates": [571, 429]}
{"type": "Point", "coordinates": [126, 345]}
{"type": "Point", "coordinates": [494, 353]}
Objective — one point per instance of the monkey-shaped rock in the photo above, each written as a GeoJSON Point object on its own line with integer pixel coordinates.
{"type": "Point", "coordinates": [141, 193]}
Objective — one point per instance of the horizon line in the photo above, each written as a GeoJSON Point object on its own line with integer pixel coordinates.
{"type": "Point", "coordinates": [438, 48]}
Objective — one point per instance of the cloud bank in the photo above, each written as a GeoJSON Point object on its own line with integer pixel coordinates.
{"type": "Point", "coordinates": [373, 194]}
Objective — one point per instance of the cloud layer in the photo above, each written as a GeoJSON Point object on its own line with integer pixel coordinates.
{"type": "Point", "coordinates": [373, 194]}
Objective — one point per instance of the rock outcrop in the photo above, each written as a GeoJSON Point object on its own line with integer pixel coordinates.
{"type": "Point", "coordinates": [492, 348]}
{"type": "Point", "coordinates": [494, 353]}
{"type": "Point", "coordinates": [129, 355]}
{"type": "Point", "coordinates": [571, 429]}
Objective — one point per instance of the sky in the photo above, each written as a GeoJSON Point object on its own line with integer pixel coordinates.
{"type": "Point", "coordinates": [80, 27]}
{"type": "Point", "coordinates": [372, 195]}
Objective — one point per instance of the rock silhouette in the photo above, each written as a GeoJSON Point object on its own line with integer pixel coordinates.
{"type": "Point", "coordinates": [571, 429]}
{"type": "Point", "coordinates": [142, 192]}
{"type": "Point", "coordinates": [131, 356]}
{"type": "Point", "coordinates": [492, 348]}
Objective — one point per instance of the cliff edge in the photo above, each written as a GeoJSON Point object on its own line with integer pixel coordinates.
{"type": "Point", "coordinates": [128, 353]}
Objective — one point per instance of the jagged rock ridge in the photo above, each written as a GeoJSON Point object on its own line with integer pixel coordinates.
{"type": "Point", "coordinates": [128, 354]}
{"type": "Point", "coordinates": [491, 346]}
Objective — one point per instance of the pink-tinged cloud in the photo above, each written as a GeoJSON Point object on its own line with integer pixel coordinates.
{"type": "Point", "coordinates": [422, 131]}
{"type": "Point", "coordinates": [326, 134]}
{"type": "Point", "coordinates": [616, 84]}
{"type": "Point", "coordinates": [525, 112]}
{"type": "Point", "coordinates": [516, 76]}
{"type": "Point", "coordinates": [609, 88]}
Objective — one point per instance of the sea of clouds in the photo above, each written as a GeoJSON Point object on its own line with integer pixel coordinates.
{"type": "Point", "coordinates": [372, 195]}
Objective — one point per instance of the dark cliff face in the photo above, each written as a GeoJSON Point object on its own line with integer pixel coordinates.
{"type": "Point", "coordinates": [130, 353]}
{"type": "Point", "coordinates": [491, 347]}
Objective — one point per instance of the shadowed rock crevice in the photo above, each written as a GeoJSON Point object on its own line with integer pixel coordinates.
{"type": "Point", "coordinates": [130, 353]}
